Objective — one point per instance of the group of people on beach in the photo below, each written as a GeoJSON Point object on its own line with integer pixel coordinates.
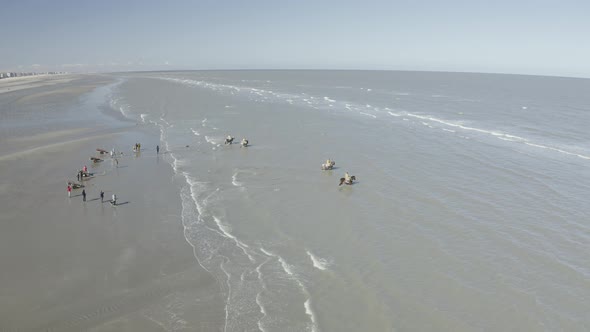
{"type": "Point", "coordinates": [83, 173]}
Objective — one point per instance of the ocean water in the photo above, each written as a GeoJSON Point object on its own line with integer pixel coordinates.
{"type": "Point", "coordinates": [470, 210]}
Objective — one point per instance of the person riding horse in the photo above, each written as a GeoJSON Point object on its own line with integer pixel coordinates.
{"type": "Point", "coordinates": [244, 142]}
{"type": "Point", "coordinates": [229, 139]}
{"type": "Point", "coordinates": [347, 179]}
{"type": "Point", "coordinates": [328, 165]}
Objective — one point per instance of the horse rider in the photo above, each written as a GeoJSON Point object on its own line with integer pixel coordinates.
{"type": "Point", "coordinates": [244, 142]}
{"type": "Point", "coordinates": [347, 178]}
{"type": "Point", "coordinates": [228, 139]}
{"type": "Point", "coordinates": [329, 163]}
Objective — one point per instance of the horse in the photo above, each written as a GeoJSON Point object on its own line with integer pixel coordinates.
{"type": "Point", "coordinates": [244, 143]}
{"type": "Point", "coordinates": [352, 179]}
{"type": "Point", "coordinates": [330, 166]}
{"type": "Point", "coordinates": [75, 185]}
{"type": "Point", "coordinates": [229, 140]}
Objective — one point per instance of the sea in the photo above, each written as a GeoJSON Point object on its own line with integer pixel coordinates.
{"type": "Point", "coordinates": [469, 212]}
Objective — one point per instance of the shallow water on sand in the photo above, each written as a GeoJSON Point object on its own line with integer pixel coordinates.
{"type": "Point", "coordinates": [469, 211]}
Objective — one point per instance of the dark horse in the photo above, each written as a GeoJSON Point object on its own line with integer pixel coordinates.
{"type": "Point", "coordinates": [352, 179]}
{"type": "Point", "coordinates": [229, 140]}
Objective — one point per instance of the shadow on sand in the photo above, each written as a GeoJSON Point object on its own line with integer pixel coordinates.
{"type": "Point", "coordinates": [117, 204]}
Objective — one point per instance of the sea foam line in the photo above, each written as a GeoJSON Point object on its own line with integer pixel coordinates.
{"type": "Point", "coordinates": [311, 315]}
{"type": "Point", "coordinates": [224, 229]}
{"type": "Point", "coordinates": [318, 263]}
{"type": "Point", "coordinates": [234, 180]}
{"type": "Point", "coordinates": [500, 135]}
{"type": "Point", "coordinates": [312, 101]}
{"type": "Point", "coordinates": [288, 270]}
{"type": "Point", "coordinates": [262, 311]}
{"type": "Point", "coordinates": [371, 115]}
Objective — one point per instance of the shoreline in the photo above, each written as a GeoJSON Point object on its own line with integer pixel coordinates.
{"type": "Point", "coordinates": [26, 82]}
{"type": "Point", "coordinates": [89, 265]}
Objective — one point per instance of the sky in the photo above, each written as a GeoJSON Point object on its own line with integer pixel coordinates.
{"type": "Point", "coordinates": [520, 37]}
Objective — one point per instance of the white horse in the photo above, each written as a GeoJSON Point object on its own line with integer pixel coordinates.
{"type": "Point", "coordinates": [328, 166]}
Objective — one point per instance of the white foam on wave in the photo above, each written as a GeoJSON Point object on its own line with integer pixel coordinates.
{"type": "Point", "coordinates": [143, 116]}
{"type": "Point", "coordinates": [168, 124]}
{"type": "Point", "coordinates": [227, 232]}
{"type": "Point", "coordinates": [311, 314]}
{"type": "Point", "coordinates": [196, 133]}
{"type": "Point", "coordinates": [497, 134]}
{"type": "Point", "coordinates": [286, 267]}
{"type": "Point", "coordinates": [262, 311]}
{"type": "Point", "coordinates": [210, 140]}
{"type": "Point", "coordinates": [318, 263]}
{"type": "Point", "coordinates": [234, 179]}
{"type": "Point", "coordinates": [266, 252]}
{"type": "Point", "coordinates": [196, 187]}
{"type": "Point", "coordinates": [314, 102]}
{"type": "Point", "coordinates": [558, 150]}
{"type": "Point", "coordinates": [367, 114]}
{"type": "Point", "coordinates": [125, 111]}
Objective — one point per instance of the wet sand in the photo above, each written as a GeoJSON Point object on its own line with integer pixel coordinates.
{"type": "Point", "coordinates": [70, 265]}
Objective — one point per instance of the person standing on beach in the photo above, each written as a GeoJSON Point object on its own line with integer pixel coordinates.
{"type": "Point", "coordinates": [114, 200]}
{"type": "Point", "coordinates": [84, 195]}
{"type": "Point", "coordinates": [102, 196]}
{"type": "Point", "coordinates": [157, 149]}
{"type": "Point", "coordinates": [69, 191]}
{"type": "Point", "coordinates": [85, 169]}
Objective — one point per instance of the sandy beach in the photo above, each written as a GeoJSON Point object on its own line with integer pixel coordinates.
{"type": "Point", "coordinates": [28, 82]}
{"type": "Point", "coordinates": [70, 265]}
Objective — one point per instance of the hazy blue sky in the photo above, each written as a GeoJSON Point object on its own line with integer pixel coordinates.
{"type": "Point", "coordinates": [532, 37]}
